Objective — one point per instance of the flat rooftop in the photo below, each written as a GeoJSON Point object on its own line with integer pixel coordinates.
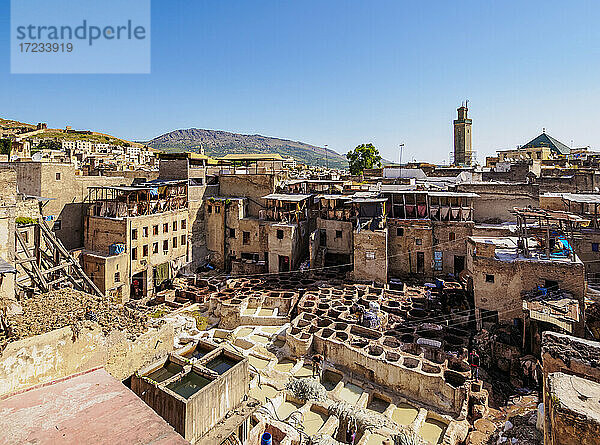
{"type": "Point", "coordinates": [286, 197]}
{"type": "Point", "coordinates": [506, 250]}
{"type": "Point", "coordinates": [91, 407]}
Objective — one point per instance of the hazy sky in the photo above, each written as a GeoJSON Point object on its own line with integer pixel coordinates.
{"type": "Point", "coordinates": [341, 73]}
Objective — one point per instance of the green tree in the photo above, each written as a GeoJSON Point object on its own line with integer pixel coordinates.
{"type": "Point", "coordinates": [48, 144]}
{"type": "Point", "coordinates": [363, 157]}
{"type": "Point", "coordinates": [5, 146]}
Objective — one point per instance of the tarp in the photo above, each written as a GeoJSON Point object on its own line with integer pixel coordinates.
{"type": "Point", "coordinates": [161, 273]}
{"type": "Point", "coordinates": [6, 267]}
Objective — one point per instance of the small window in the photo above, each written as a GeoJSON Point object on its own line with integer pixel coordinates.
{"type": "Point", "coordinates": [166, 245]}
{"type": "Point", "coordinates": [231, 233]}
{"type": "Point", "coordinates": [399, 231]}
{"type": "Point", "coordinates": [117, 277]}
{"type": "Point", "coordinates": [145, 250]}
{"type": "Point", "coordinates": [418, 241]}
{"type": "Point", "coordinates": [209, 208]}
{"type": "Point", "coordinates": [183, 224]}
{"type": "Point", "coordinates": [451, 236]}
{"type": "Point", "coordinates": [489, 278]}
{"type": "Point", "coordinates": [166, 228]}
{"type": "Point", "coordinates": [155, 230]}
{"type": "Point", "coordinates": [279, 234]}
{"type": "Point", "coordinates": [174, 226]}
{"type": "Point", "coordinates": [217, 209]}
{"type": "Point", "coordinates": [338, 233]}
{"type": "Point", "coordinates": [134, 253]}
{"type": "Point", "coordinates": [182, 240]}
{"type": "Point", "coordinates": [595, 247]}
{"type": "Point", "coordinates": [145, 232]}
{"type": "Point", "coordinates": [370, 255]}
{"type": "Point", "coordinates": [58, 176]}
{"type": "Point", "coordinates": [57, 225]}
{"type": "Point", "coordinates": [174, 242]}
{"type": "Point", "coordinates": [154, 247]}
{"type": "Point", "coordinates": [133, 233]}
{"type": "Point", "coordinates": [246, 237]}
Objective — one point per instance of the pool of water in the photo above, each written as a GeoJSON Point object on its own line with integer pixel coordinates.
{"type": "Point", "coordinates": [305, 371]}
{"type": "Point", "coordinates": [313, 421]}
{"type": "Point", "coordinates": [165, 372]}
{"type": "Point", "coordinates": [243, 332]}
{"type": "Point", "coordinates": [433, 431]}
{"type": "Point", "coordinates": [378, 405]}
{"type": "Point", "coordinates": [188, 385]}
{"type": "Point", "coordinates": [261, 393]}
{"type": "Point", "coordinates": [375, 439]}
{"type": "Point", "coordinates": [199, 352]}
{"type": "Point", "coordinates": [330, 380]}
{"type": "Point", "coordinates": [221, 364]}
{"type": "Point", "coordinates": [404, 414]}
{"type": "Point", "coordinates": [257, 362]}
{"type": "Point", "coordinates": [287, 408]}
{"type": "Point", "coordinates": [351, 393]}
{"type": "Point", "coordinates": [266, 312]}
{"type": "Point", "coordinates": [285, 365]}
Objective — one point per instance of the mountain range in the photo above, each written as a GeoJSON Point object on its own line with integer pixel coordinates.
{"type": "Point", "coordinates": [219, 143]}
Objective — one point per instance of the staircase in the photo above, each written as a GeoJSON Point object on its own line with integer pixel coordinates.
{"type": "Point", "coordinates": [44, 264]}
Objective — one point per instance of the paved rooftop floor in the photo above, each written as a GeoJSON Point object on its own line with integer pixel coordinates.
{"type": "Point", "coordinates": [91, 407]}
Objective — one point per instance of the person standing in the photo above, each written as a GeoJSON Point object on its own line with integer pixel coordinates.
{"type": "Point", "coordinates": [317, 365]}
{"type": "Point", "coordinates": [474, 362]}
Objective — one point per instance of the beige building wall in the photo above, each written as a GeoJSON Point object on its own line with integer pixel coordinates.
{"type": "Point", "coordinates": [8, 205]}
{"type": "Point", "coordinates": [499, 285]}
{"type": "Point", "coordinates": [337, 245]}
{"type": "Point", "coordinates": [406, 239]}
{"type": "Point", "coordinates": [370, 255]}
{"type": "Point", "coordinates": [150, 240]}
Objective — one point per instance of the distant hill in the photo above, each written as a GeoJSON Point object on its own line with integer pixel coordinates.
{"type": "Point", "coordinates": [219, 143]}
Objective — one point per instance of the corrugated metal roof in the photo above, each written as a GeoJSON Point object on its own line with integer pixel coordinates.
{"type": "Point", "coordinates": [6, 267]}
{"type": "Point", "coordinates": [286, 197]}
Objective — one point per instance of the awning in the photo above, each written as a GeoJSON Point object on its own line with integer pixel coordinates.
{"type": "Point", "coordinates": [6, 267]}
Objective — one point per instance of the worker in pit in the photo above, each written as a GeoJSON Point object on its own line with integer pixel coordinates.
{"type": "Point", "coordinates": [317, 365]}
{"type": "Point", "coordinates": [474, 362]}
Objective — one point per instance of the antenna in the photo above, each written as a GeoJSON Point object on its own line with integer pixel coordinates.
{"type": "Point", "coordinates": [467, 103]}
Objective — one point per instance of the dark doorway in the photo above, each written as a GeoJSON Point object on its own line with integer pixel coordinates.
{"type": "Point", "coordinates": [284, 263]}
{"type": "Point", "coordinates": [420, 262]}
{"type": "Point", "coordinates": [322, 237]}
{"type": "Point", "coordinates": [459, 264]}
{"type": "Point", "coordinates": [137, 286]}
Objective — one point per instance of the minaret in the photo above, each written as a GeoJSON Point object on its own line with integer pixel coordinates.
{"type": "Point", "coordinates": [462, 137]}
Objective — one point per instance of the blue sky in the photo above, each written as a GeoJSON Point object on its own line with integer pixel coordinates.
{"type": "Point", "coordinates": [342, 72]}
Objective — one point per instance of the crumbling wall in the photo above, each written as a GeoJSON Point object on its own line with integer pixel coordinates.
{"type": "Point", "coordinates": [571, 355]}
{"type": "Point", "coordinates": [62, 352]}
